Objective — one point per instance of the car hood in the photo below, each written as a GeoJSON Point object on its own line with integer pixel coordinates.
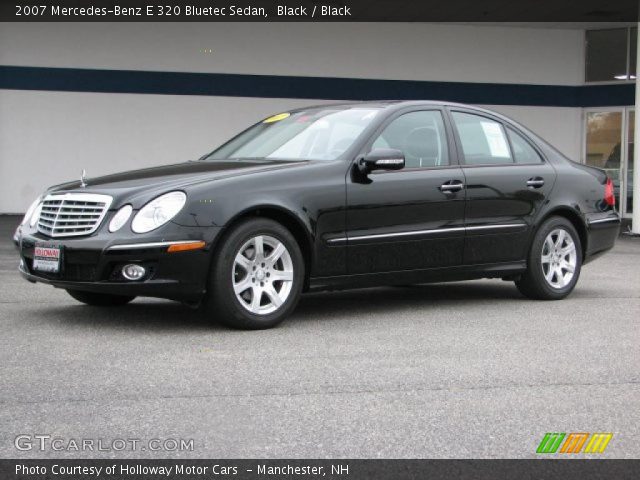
{"type": "Point", "coordinates": [151, 181]}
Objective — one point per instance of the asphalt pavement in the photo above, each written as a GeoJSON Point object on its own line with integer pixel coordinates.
{"type": "Point", "coordinates": [459, 370]}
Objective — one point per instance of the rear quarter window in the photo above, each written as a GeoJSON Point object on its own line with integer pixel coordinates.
{"type": "Point", "coordinates": [523, 151]}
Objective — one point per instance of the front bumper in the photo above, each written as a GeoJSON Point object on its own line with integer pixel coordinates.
{"type": "Point", "coordinates": [94, 263]}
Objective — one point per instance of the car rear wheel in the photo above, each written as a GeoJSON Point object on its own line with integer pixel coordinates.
{"type": "Point", "coordinates": [257, 276]}
{"type": "Point", "coordinates": [554, 261]}
{"type": "Point", "coordinates": [100, 299]}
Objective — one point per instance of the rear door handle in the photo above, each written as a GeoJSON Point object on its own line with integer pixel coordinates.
{"type": "Point", "coordinates": [452, 186]}
{"type": "Point", "coordinates": [535, 182]}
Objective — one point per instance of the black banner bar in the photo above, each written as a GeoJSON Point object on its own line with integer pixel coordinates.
{"type": "Point", "coordinates": [318, 469]}
{"type": "Point", "coordinates": [319, 11]}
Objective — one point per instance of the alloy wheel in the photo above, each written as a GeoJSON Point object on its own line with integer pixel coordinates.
{"type": "Point", "coordinates": [262, 274]}
{"type": "Point", "coordinates": [559, 258]}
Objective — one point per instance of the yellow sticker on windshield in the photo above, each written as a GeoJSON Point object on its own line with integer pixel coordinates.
{"type": "Point", "coordinates": [276, 118]}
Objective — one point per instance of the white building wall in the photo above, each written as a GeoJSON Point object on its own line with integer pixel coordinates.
{"type": "Point", "coordinates": [49, 137]}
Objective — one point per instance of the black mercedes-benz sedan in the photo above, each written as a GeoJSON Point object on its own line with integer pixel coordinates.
{"type": "Point", "coordinates": [322, 198]}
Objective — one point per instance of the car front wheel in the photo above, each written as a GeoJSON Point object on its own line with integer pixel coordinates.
{"type": "Point", "coordinates": [257, 276]}
{"type": "Point", "coordinates": [554, 262]}
{"type": "Point", "coordinates": [99, 299]}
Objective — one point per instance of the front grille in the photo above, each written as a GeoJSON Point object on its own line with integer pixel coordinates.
{"type": "Point", "coordinates": [72, 214]}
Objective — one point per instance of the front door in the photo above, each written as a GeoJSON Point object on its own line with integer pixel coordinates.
{"type": "Point", "coordinates": [412, 218]}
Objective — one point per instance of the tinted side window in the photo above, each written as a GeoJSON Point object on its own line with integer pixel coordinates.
{"type": "Point", "coordinates": [420, 136]}
{"type": "Point", "coordinates": [523, 152]}
{"type": "Point", "coordinates": [483, 140]}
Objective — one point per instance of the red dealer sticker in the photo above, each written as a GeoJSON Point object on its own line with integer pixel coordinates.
{"type": "Point", "coordinates": [46, 258]}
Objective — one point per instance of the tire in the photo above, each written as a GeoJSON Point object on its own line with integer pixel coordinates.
{"type": "Point", "coordinates": [252, 290]}
{"type": "Point", "coordinates": [555, 250]}
{"type": "Point", "coordinates": [100, 299]}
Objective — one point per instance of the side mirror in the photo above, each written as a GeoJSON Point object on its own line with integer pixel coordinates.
{"type": "Point", "coordinates": [381, 159]}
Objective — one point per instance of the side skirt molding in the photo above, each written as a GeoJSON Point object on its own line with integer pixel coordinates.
{"type": "Point", "coordinates": [431, 275]}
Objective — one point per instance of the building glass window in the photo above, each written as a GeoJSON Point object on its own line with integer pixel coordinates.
{"type": "Point", "coordinates": [611, 54]}
{"type": "Point", "coordinates": [606, 55]}
{"type": "Point", "coordinates": [633, 52]}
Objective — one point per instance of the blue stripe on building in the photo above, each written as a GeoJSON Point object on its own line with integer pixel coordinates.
{"type": "Point", "coordinates": [274, 86]}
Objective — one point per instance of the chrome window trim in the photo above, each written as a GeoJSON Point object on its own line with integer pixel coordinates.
{"type": "Point", "coordinates": [79, 197]}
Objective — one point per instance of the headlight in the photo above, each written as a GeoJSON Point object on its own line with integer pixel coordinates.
{"type": "Point", "coordinates": [30, 210]}
{"type": "Point", "coordinates": [158, 212]}
{"type": "Point", "coordinates": [120, 218]}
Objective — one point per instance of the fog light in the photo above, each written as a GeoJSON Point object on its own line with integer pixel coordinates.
{"type": "Point", "coordinates": [133, 272]}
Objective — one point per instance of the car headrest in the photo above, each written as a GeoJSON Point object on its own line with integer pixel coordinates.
{"type": "Point", "coordinates": [422, 142]}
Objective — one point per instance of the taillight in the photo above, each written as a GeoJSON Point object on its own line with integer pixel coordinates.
{"type": "Point", "coordinates": [609, 197]}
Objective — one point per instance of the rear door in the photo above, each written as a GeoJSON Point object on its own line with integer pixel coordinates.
{"type": "Point", "coordinates": [508, 180]}
{"type": "Point", "coordinates": [413, 218]}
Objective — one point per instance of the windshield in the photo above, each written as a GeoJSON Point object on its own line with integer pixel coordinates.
{"type": "Point", "coordinates": [315, 134]}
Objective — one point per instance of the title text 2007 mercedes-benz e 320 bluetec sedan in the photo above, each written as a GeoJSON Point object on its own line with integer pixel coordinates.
{"type": "Point", "coordinates": [327, 197]}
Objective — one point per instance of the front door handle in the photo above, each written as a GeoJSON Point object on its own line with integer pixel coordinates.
{"type": "Point", "coordinates": [535, 182]}
{"type": "Point", "coordinates": [451, 186]}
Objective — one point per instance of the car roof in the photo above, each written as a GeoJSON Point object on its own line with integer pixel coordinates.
{"type": "Point", "coordinates": [394, 105]}
{"type": "Point", "coordinates": [399, 104]}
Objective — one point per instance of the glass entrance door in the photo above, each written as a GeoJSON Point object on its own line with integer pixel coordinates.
{"type": "Point", "coordinates": [604, 144]}
{"type": "Point", "coordinates": [609, 145]}
{"type": "Point", "coordinates": [628, 184]}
